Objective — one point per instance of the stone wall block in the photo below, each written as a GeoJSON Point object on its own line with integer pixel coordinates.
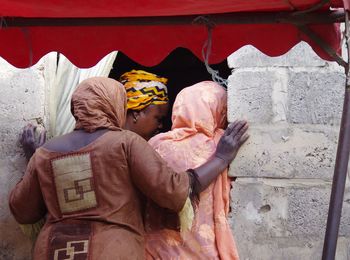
{"type": "Point", "coordinates": [250, 96]}
{"type": "Point", "coordinates": [284, 218]}
{"type": "Point", "coordinates": [315, 97]}
{"type": "Point", "coordinates": [300, 55]}
{"type": "Point", "coordinates": [285, 151]}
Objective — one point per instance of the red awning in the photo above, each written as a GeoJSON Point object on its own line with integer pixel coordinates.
{"type": "Point", "coordinates": [148, 30]}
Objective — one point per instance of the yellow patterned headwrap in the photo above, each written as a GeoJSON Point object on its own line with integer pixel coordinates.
{"type": "Point", "coordinates": [143, 89]}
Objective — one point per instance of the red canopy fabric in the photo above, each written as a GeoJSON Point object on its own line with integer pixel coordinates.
{"type": "Point", "coordinates": [150, 44]}
{"type": "Point", "coordinates": [137, 8]}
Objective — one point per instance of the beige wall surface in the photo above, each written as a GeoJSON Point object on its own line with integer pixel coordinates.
{"type": "Point", "coordinates": [280, 198]}
{"type": "Point", "coordinates": [22, 100]}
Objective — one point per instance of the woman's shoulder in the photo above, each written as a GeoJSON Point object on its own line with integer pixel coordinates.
{"type": "Point", "coordinates": [161, 137]}
{"type": "Point", "coordinates": [126, 134]}
{"type": "Point", "coordinates": [126, 137]}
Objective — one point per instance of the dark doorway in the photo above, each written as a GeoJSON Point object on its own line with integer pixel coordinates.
{"type": "Point", "coordinates": [181, 67]}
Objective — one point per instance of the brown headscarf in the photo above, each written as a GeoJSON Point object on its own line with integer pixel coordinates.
{"type": "Point", "coordinates": [99, 103]}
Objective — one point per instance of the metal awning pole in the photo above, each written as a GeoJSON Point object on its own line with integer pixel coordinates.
{"type": "Point", "coordinates": [341, 167]}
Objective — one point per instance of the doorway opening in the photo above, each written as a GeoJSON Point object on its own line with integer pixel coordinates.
{"type": "Point", "coordinates": [181, 67]}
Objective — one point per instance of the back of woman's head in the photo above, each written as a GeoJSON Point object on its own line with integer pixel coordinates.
{"type": "Point", "coordinates": [99, 103]}
{"type": "Point", "coordinates": [202, 106]}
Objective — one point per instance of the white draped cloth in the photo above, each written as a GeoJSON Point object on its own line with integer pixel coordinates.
{"type": "Point", "coordinates": [63, 77]}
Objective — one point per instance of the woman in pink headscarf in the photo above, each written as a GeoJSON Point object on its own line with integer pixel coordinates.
{"type": "Point", "coordinates": [199, 117]}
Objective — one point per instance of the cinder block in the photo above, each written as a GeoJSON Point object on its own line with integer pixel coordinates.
{"type": "Point", "coordinates": [315, 97]}
{"type": "Point", "coordinates": [301, 55]}
{"type": "Point", "coordinates": [287, 151]}
{"type": "Point", "coordinates": [273, 95]}
{"type": "Point", "coordinates": [284, 219]}
{"type": "Point", "coordinates": [250, 96]}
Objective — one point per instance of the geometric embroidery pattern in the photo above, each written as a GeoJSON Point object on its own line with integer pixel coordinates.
{"type": "Point", "coordinates": [74, 183]}
{"type": "Point", "coordinates": [69, 239]}
{"type": "Point", "coordinates": [74, 250]}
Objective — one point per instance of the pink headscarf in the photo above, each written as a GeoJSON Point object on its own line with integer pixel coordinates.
{"type": "Point", "coordinates": [199, 116]}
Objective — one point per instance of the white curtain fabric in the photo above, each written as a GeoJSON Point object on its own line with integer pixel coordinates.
{"type": "Point", "coordinates": [62, 82]}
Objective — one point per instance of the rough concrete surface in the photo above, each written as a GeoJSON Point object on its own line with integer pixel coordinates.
{"type": "Point", "coordinates": [21, 101]}
{"type": "Point", "coordinates": [299, 96]}
{"type": "Point", "coordinates": [300, 55]}
{"type": "Point", "coordinates": [250, 96]}
{"type": "Point", "coordinates": [315, 97]}
{"type": "Point", "coordinates": [287, 151]}
{"type": "Point", "coordinates": [284, 219]}
{"type": "Point", "coordinates": [280, 199]}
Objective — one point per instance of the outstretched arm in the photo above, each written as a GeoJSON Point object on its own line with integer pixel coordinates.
{"type": "Point", "coordinates": [226, 151]}
{"type": "Point", "coordinates": [170, 189]}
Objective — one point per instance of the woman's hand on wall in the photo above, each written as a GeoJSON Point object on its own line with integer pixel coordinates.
{"type": "Point", "coordinates": [29, 141]}
{"type": "Point", "coordinates": [232, 140]}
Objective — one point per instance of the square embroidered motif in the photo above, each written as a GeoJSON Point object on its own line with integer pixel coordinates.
{"type": "Point", "coordinates": [73, 250]}
{"type": "Point", "coordinates": [74, 183]}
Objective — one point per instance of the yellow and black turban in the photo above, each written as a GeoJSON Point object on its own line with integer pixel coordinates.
{"type": "Point", "coordinates": [143, 89]}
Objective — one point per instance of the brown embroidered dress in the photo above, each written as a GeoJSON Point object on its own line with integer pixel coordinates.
{"type": "Point", "coordinates": [93, 197]}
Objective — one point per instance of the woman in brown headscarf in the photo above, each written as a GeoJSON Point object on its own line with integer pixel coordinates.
{"type": "Point", "coordinates": [92, 182]}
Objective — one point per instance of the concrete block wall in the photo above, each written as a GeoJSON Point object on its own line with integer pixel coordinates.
{"type": "Point", "coordinates": [22, 100]}
{"type": "Point", "coordinates": [280, 198]}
